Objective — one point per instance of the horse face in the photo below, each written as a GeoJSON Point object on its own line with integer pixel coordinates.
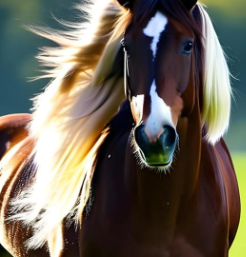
{"type": "Point", "coordinates": [158, 70]}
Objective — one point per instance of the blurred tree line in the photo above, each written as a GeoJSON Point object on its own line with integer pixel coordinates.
{"type": "Point", "coordinates": [18, 48]}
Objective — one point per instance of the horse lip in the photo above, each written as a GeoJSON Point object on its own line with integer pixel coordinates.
{"type": "Point", "coordinates": [158, 163]}
{"type": "Point", "coordinates": [162, 161]}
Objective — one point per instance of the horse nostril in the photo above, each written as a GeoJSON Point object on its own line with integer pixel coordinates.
{"type": "Point", "coordinates": [166, 139]}
{"type": "Point", "coordinates": [141, 137]}
{"type": "Point", "coordinates": [169, 136]}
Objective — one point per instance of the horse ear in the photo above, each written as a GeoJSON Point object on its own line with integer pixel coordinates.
{"type": "Point", "coordinates": [126, 3]}
{"type": "Point", "coordinates": [189, 4]}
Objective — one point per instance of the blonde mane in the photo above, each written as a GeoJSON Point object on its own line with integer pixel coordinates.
{"type": "Point", "coordinates": [217, 87]}
{"type": "Point", "coordinates": [70, 116]}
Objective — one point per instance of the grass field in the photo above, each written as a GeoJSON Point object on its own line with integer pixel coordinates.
{"type": "Point", "coordinates": [239, 246]}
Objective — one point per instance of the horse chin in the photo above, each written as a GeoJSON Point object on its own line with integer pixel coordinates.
{"type": "Point", "coordinates": [157, 164]}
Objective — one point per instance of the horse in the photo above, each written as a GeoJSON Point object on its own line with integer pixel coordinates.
{"type": "Point", "coordinates": [124, 154]}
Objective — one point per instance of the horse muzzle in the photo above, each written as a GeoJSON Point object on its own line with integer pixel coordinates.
{"type": "Point", "coordinates": [158, 152]}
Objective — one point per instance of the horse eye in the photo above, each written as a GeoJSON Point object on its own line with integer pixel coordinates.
{"type": "Point", "coordinates": [187, 48]}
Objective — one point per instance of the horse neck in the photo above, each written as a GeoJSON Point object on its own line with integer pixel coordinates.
{"type": "Point", "coordinates": [159, 196]}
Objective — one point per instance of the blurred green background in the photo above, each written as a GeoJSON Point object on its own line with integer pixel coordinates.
{"type": "Point", "coordinates": [18, 48]}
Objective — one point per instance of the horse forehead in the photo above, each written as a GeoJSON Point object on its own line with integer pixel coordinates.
{"type": "Point", "coordinates": [156, 25]}
{"type": "Point", "coordinates": [154, 29]}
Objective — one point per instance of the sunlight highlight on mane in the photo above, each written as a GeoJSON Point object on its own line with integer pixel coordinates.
{"type": "Point", "coordinates": [217, 88]}
{"type": "Point", "coordinates": [69, 118]}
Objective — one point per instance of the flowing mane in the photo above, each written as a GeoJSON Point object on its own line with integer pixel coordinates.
{"type": "Point", "coordinates": [217, 87]}
{"type": "Point", "coordinates": [70, 116]}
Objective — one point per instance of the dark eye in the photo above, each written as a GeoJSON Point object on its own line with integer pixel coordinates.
{"type": "Point", "coordinates": [187, 48]}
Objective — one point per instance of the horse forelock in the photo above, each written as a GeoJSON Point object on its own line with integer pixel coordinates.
{"type": "Point", "coordinates": [174, 9]}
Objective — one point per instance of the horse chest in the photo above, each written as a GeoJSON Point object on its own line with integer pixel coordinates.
{"type": "Point", "coordinates": [117, 244]}
{"type": "Point", "coordinates": [119, 225]}
{"type": "Point", "coordinates": [191, 236]}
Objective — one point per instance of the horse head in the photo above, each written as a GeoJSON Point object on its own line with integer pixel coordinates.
{"type": "Point", "coordinates": [159, 71]}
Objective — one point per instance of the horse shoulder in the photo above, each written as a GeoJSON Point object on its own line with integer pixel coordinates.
{"type": "Point", "coordinates": [15, 149]}
{"type": "Point", "coordinates": [230, 185]}
{"type": "Point", "coordinates": [13, 129]}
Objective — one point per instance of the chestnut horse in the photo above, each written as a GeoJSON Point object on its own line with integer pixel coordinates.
{"type": "Point", "coordinates": [123, 155]}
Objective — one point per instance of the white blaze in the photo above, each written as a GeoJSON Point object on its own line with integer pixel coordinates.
{"type": "Point", "coordinates": [160, 115]}
{"type": "Point", "coordinates": [154, 29]}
